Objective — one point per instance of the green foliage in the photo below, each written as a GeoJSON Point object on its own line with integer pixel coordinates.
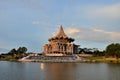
{"type": "Point", "coordinates": [19, 53]}
{"type": "Point", "coordinates": [12, 52]}
{"type": "Point", "coordinates": [98, 53]}
{"type": "Point", "coordinates": [22, 50]}
{"type": "Point", "coordinates": [113, 50]}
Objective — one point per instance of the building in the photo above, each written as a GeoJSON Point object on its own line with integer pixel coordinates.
{"type": "Point", "coordinates": [60, 45]}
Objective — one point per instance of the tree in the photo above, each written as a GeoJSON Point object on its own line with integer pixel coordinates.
{"type": "Point", "coordinates": [21, 52]}
{"type": "Point", "coordinates": [12, 52]}
{"type": "Point", "coordinates": [113, 50]}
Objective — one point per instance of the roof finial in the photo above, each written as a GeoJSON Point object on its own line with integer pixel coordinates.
{"type": "Point", "coordinates": [61, 32]}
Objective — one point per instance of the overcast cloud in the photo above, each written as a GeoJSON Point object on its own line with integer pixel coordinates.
{"type": "Point", "coordinates": [29, 23]}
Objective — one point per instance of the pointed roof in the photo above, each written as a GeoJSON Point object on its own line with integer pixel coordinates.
{"type": "Point", "coordinates": [61, 33]}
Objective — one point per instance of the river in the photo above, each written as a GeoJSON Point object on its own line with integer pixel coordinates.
{"type": "Point", "coordinates": [58, 71]}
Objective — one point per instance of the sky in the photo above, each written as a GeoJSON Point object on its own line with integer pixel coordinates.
{"type": "Point", "coordinates": [29, 23]}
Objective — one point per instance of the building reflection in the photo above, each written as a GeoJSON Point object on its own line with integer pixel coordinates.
{"type": "Point", "coordinates": [58, 71]}
{"type": "Point", "coordinates": [42, 66]}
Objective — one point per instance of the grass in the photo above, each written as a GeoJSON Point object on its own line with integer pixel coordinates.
{"type": "Point", "coordinates": [103, 59]}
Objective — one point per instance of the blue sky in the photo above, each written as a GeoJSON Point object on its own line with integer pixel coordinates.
{"type": "Point", "coordinates": [29, 23]}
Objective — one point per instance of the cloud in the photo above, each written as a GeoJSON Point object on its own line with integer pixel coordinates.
{"type": "Point", "coordinates": [114, 36]}
{"type": "Point", "coordinates": [98, 30]}
{"type": "Point", "coordinates": [108, 11]}
{"type": "Point", "coordinates": [45, 23]}
{"type": "Point", "coordinates": [54, 34]}
{"type": "Point", "coordinates": [41, 23]}
{"type": "Point", "coordinates": [93, 35]}
{"type": "Point", "coordinates": [71, 31]}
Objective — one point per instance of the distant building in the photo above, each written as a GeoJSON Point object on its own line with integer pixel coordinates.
{"type": "Point", "coordinates": [60, 45]}
{"type": "Point", "coordinates": [87, 50]}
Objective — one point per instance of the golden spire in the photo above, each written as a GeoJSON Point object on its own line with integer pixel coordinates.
{"type": "Point", "coordinates": [61, 33]}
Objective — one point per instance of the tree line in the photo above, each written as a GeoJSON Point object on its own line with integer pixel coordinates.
{"type": "Point", "coordinates": [19, 53]}
{"type": "Point", "coordinates": [112, 50]}
{"type": "Point", "coordinates": [15, 53]}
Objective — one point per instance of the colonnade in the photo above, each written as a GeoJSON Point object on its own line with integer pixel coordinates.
{"type": "Point", "coordinates": [58, 48]}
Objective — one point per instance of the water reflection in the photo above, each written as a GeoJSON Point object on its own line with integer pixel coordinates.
{"type": "Point", "coordinates": [42, 66]}
{"type": "Point", "coordinates": [79, 71]}
{"type": "Point", "coordinates": [114, 71]}
{"type": "Point", "coordinates": [58, 71]}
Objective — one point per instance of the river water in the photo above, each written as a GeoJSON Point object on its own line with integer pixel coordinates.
{"type": "Point", "coordinates": [58, 71]}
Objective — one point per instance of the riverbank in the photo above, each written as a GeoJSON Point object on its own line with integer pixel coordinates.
{"type": "Point", "coordinates": [85, 60]}
{"type": "Point", "coordinates": [51, 59]}
{"type": "Point", "coordinates": [102, 59]}
{"type": "Point", "coordinates": [72, 59]}
{"type": "Point", "coordinates": [4, 59]}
